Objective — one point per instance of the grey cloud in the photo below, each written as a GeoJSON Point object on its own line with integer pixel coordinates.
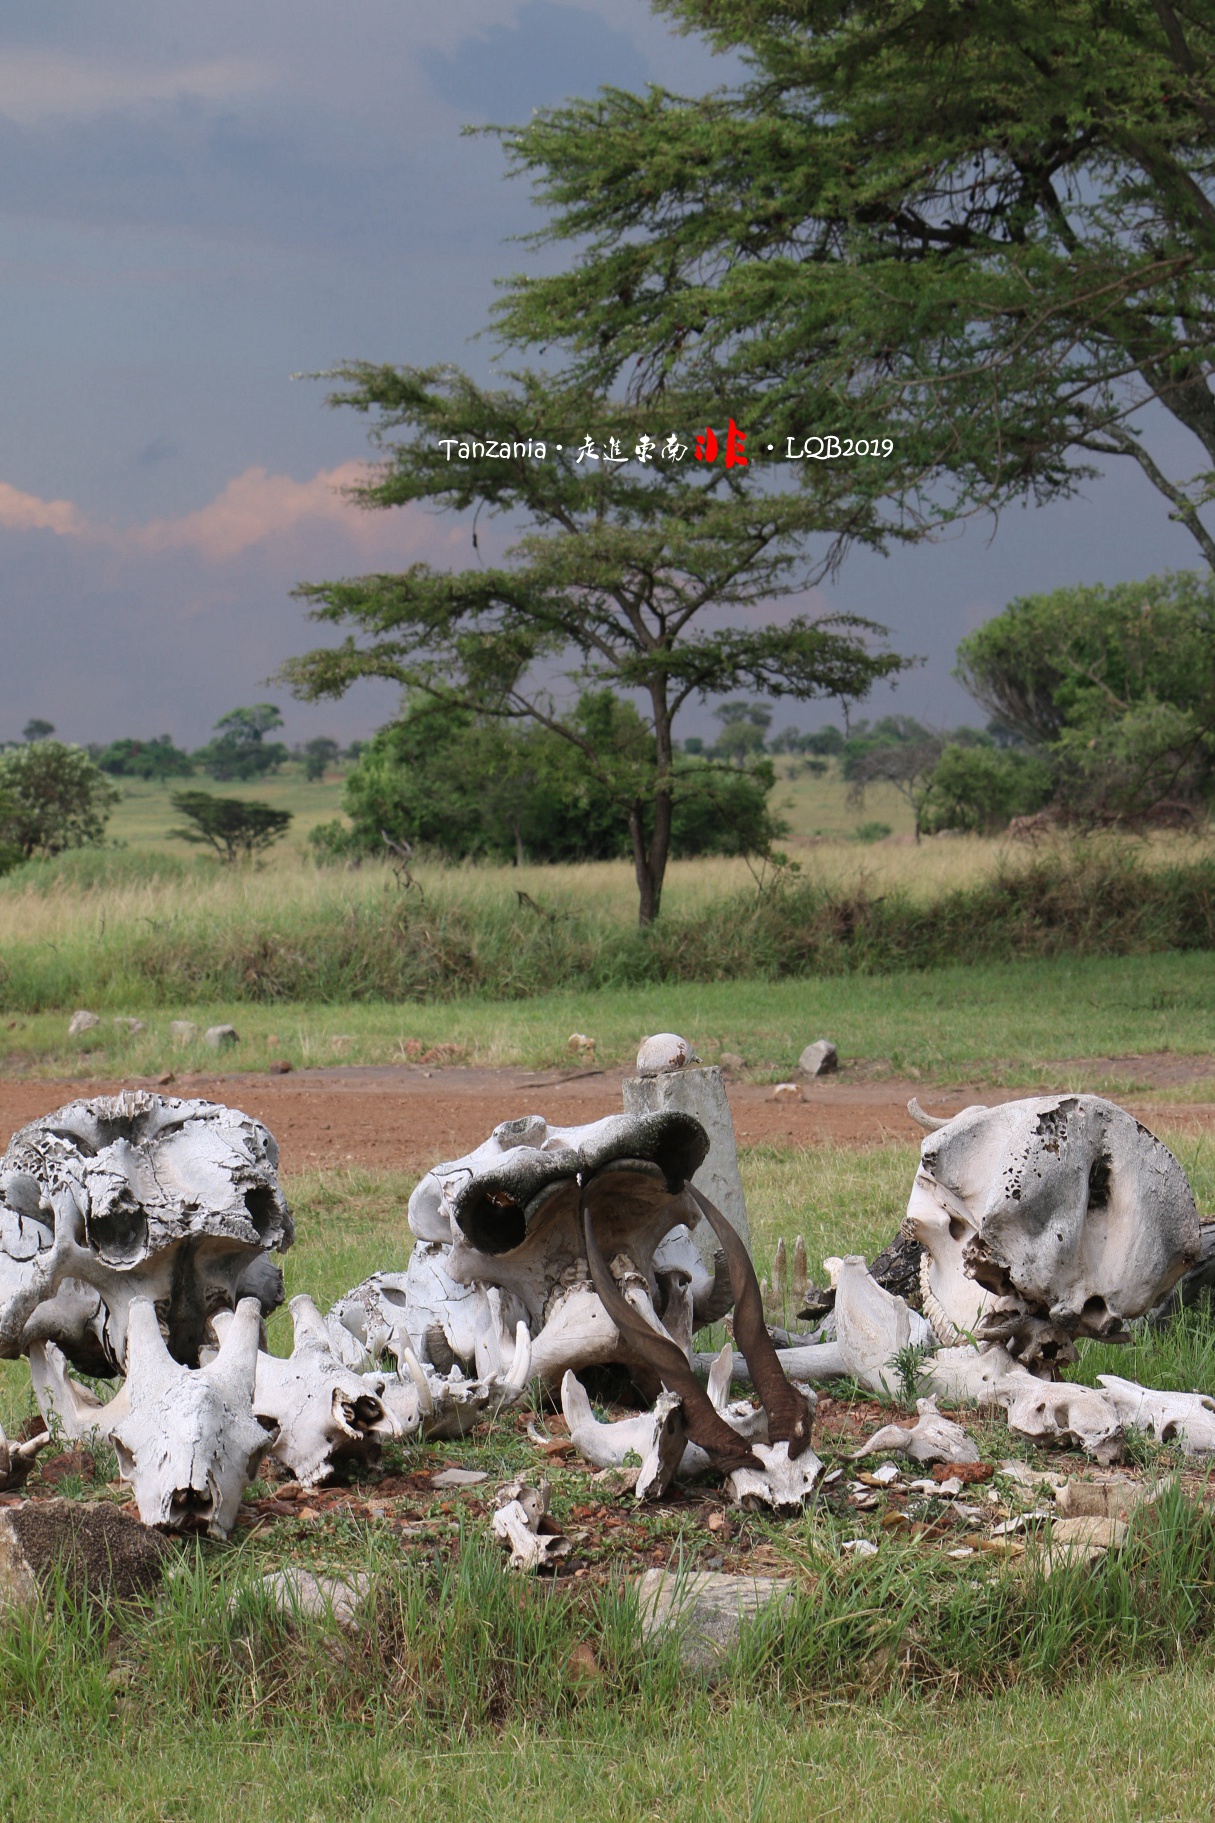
{"type": "Point", "coordinates": [549, 53]}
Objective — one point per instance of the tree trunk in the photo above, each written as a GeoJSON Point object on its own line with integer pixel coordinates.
{"type": "Point", "coordinates": [519, 856]}
{"type": "Point", "coordinates": [652, 874]}
{"type": "Point", "coordinates": [647, 899]}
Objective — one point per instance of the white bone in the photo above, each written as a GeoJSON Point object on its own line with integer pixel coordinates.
{"type": "Point", "coordinates": [517, 1522]}
{"type": "Point", "coordinates": [932, 1438]}
{"type": "Point", "coordinates": [657, 1437]}
{"type": "Point", "coordinates": [188, 1441]}
{"type": "Point", "coordinates": [1047, 1219]}
{"type": "Point", "coordinates": [1185, 1418]}
{"type": "Point", "coordinates": [785, 1483]}
{"type": "Point", "coordinates": [871, 1325]}
{"type": "Point", "coordinates": [323, 1413]}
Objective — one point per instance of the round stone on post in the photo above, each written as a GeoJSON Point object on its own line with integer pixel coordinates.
{"type": "Point", "coordinates": [819, 1059]}
{"type": "Point", "coordinates": [671, 1076]}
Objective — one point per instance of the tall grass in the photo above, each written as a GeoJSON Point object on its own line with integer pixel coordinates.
{"type": "Point", "coordinates": [346, 940]}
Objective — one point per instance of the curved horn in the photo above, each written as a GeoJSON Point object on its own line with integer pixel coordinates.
{"type": "Point", "coordinates": [648, 1348]}
{"type": "Point", "coordinates": [789, 1411]}
{"type": "Point", "coordinates": [426, 1403]}
{"type": "Point", "coordinates": [931, 1122]}
{"type": "Point", "coordinates": [307, 1323]}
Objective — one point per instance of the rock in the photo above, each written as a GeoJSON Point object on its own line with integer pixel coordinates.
{"type": "Point", "coordinates": [100, 1552]}
{"type": "Point", "coordinates": [787, 1091]}
{"type": "Point", "coordinates": [664, 1051]}
{"type": "Point", "coordinates": [459, 1478]}
{"type": "Point", "coordinates": [580, 1043]}
{"type": "Point", "coordinates": [129, 1026]}
{"type": "Point", "coordinates": [82, 1022]}
{"type": "Point", "coordinates": [730, 1060]}
{"type": "Point", "coordinates": [183, 1031]}
{"type": "Point", "coordinates": [220, 1037]}
{"type": "Point", "coordinates": [698, 1089]}
{"type": "Point", "coordinates": [297, 1592]}
{"type": "Point", "coordinates": [1114, 1500]}
{"type": "Point", "coordinates": [819, 1059]}
{"type": "Point", "coordinates": [1081, 1541]}
{"type": "Point", "coordinates": [280, 1067]}
{"type": "Point", "coordinates": [859, 1547]}
{"type": "Point", "coordinates": [705, 1608]}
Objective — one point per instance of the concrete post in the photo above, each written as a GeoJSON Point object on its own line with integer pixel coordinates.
{"type": "Point", "coordinates": [699, 1090]}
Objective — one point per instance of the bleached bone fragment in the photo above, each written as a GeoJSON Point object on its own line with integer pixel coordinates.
{"type": "Point", "coordinates": [17, 1459]}
{"type": "Point", "coordinates": [1043, 1410]}
{"type": "Point", "coordinates": [74, 1410]}
{"type": "Point", "coordinates": [657, 1437]}
{"type": "Point", "coordinates": [135, 1195]}
{"type": "Point", "coordinates": [1185, 1418]}
{"type": "Point", "coordinates": [932, 1438]}
{"type": "Point", "coordinates": [871, 1325]}
{"type": "Point", "coordinates": [1048, 1219]}
{"type": "Point", "coordinates": [188, 1441]}
{"type": "Point", "coordinates": [453, 1403]}
{"type": "Point", "coordinates": [323, 1413]}
{"type": "Point", "coordinates": [518, 1521]}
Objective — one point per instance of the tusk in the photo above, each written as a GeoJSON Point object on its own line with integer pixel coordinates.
{"type": "Point", "coordinates": [425, 1400]}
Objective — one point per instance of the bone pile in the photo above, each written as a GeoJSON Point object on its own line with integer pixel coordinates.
{"type": "Point", "coordinates": [137, 1241]}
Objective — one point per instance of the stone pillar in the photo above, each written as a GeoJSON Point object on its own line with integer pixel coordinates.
{"type": "Point", "coordinates": [699, 1090]}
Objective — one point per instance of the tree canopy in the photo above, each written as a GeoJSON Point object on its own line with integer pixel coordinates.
{"type": "Point", "coordinates": [240, 749]}
{"type": "Point", "coordinates": [650, 575]}
{"type": "Point", "coordinates": [985, 231]}
{"type": "Point", "coordinates": [52, 797]}
{"type": "Point", "coordinates": [236, 828]}
{"type": "Point", "coordinates": [157, 758]}
{"type": "Point", "coordinates": [467, 786]}
{"type": "Point", "coordinates": [1116, 685]}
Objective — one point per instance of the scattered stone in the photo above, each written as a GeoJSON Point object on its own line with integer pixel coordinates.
{"type": "Point", "coordinates": [859, 1547]}
{"type": "Point", "coordinates": [730, 1060]}
{"type": "Point", "coordinates": [162, 1082]}
{"type": "Point", "coordinates": [459, 1478]}
{"type": "Point", "coordinates": [787, 1091]}
{"type": "Point", "coordinates": [128, 1025]}
{"type": "Point", "coordinates": [951, 1487]}
{"type": "Point", "coordinates": [580, 1043]}
{"type": "Point", "coordinates": [82, 1021]}
{"type": "Point", "coordinates": [966, 1469]}
{"type": "Point", "coordinates": [881, 1477]}
{"type": "Point", "coordinates": [1104, 1499]}
{"type": "Point", "coordinates": [582, 1667]}
{"type": "Point", "coordinates": [705, 1608]}
{"type": "Point", "coordinates": [299, 1593]}
{"type": "Point", "coordinates": [221, 1037]}
{"type": "Point", "coordinates": [99, 1551]}
{"type": "Point", "coordinates": [183, 1031]}
{"type": "Point", "coordinates": [1076, 1542]}
{"type": "Point", "coordinates": [819, 1059]}
{"type": "Point", "coordinates": [280, 1067]}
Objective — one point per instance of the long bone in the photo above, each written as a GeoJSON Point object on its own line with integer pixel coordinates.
{"type": "Point", "coordinates": [769, 1472]}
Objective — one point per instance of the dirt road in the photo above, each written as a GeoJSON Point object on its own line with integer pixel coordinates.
{"type": "Point", "coordinates": [401, 1118]}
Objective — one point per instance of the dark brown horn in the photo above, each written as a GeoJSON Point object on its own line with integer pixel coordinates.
{"type": "Point", "coordinates": [789, 1412]}
{"type": "Point", "coordinates": [704, 1424]}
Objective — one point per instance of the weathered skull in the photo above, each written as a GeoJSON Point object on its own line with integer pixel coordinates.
{"type": "Point", "coordinates": [323, 1412]}
{"type": "Point", "coordinates": [500, 1244]}
{"type": "Point", "coordinates": [135, 1195]}
{"type": "Point", "coordinates": [187, 1439]}
{"type": "Point", "coordinates": [1045, 1220]}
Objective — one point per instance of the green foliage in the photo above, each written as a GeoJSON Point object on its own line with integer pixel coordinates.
{"type": "Point", "coordinates": [240, 749]}
{"type": "Point", "coordinates": [319, 755]}
{"type": "Point", "coordinates": [1117, 686]}
{"type": "Point", "coordinates": [983, 231]}
{"type": "Point", "coordinates": [236, 828]}
{"type": "Point", "coordinates": [37, 730]}
{"type": "Point", "coordinates": [980, 789]}
{"type": "Point", "coordinates": [468, 786]}
{"type": "Point", "coordinates": [744, 728]}
{"type": "Point", "coordinates": [52, 797]}
{"type": "Point", "coordinates": [154, 759]}
{"type": "Point", "coordinates": [614, 575]}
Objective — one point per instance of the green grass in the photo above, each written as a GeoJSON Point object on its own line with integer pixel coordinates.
{"type": "Point", "coordinates": [1007, 1023]}
{"type": "Point", "coordinates": [905, 1686]}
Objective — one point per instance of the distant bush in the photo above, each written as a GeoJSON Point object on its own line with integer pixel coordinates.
{"type": "Point", "coordinates": [980, 789]}
{"type": "Point", "coordinates": [154, 759]}
{"type": "Point", "coordinates": [52, 797]}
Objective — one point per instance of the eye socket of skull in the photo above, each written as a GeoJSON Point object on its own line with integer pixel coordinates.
{"type": "Point", "coordinates": [119, 1234]}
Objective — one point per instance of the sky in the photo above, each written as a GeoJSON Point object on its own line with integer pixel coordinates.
{"type": "Point", "coordinates": [200, 205]}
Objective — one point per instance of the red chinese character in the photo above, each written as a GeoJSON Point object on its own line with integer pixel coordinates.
{"type": "Point", "coordinates": [735, 439]}
{"type": "Point", "coordinates": [706, 447]}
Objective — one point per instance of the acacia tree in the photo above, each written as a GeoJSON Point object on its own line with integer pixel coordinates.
{"type": "Point", "coordinates": [987, 230]}
{"type": "Point", "coordinates": [641, 575]}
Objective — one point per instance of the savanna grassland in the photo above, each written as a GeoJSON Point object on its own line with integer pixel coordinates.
{"type": "Point", "coordinates": [910, 1684]}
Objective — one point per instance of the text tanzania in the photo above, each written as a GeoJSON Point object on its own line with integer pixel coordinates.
{"type": "Point", "coordinates": [491, 449]}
